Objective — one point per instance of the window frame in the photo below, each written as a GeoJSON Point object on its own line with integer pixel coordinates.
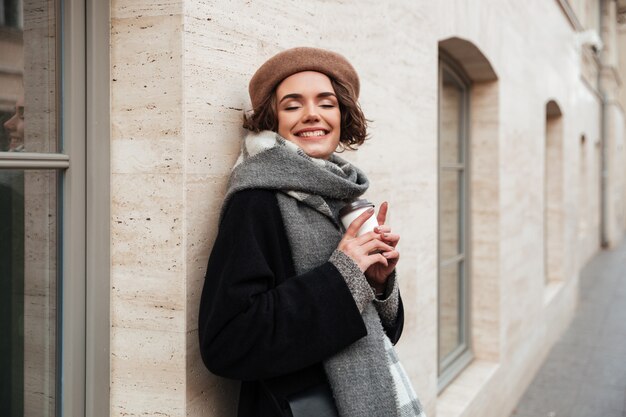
{"type": "Point", "coordinates": [98, 212]}
{"type": "Point", "coordinates": [451, 366]}
{"type": "Point", "coordinates": [82, 379]}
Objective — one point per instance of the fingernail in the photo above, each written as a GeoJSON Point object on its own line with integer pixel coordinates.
{"type": "Point", "coordinates": [386, 255]}
{"type": "Point", "coordinates": [370, 210]}
{"type": "Point", "coordinates": [385, 234]}
{"type": "Point", "coordinates": [376, 230]}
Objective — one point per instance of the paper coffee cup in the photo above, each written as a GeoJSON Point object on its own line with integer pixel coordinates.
{"type": "Point", "coordinates": [351, 211]}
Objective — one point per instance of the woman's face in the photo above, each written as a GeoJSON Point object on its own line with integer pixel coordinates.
{"type": "Point", "coordinates": [15, 125]}
{"type": "Point", "coordinates": [308, 113]}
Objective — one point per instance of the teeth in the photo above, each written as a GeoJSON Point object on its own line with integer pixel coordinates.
{"type": "Point", "coordinates": [312, 133]}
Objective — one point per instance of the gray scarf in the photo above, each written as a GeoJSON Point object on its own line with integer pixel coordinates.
{"type": "Point", "coordinates": [310, 193]}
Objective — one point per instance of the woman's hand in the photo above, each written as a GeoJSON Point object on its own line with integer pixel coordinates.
{"type": "Point", "coordinates": [365, 250]}
{"type": "Point", "coordinates": [378, 273]}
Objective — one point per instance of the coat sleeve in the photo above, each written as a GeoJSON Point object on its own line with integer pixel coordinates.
{"type": "Point", "coordinates": [253, 323]}
{"type": "Point", "coordinates": [390, 309]}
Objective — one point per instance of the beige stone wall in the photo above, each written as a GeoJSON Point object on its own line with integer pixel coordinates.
{"type": "Point", "coordinates": [148, 271]}
{"type": "Point", "coordinates": [179, 83]}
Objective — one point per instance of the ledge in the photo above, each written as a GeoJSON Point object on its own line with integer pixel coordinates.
{"type": "Point", "coordinates": [465, 389]}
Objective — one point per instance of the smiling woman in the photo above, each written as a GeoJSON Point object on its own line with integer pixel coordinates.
{"type": "Point", "coordinates": [301, 309]}
{"type": "Point", "coordinates": [308, 113]}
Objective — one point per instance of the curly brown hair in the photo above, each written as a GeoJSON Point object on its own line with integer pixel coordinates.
{"type": "Point", "coordinates": [353, 122]}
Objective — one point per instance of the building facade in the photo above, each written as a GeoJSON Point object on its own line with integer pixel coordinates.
{"type": "Point", "coordinates": [497, 136]}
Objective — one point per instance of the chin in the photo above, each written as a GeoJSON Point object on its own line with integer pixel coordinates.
{"type": "Point", "coordinates": [314, 153]}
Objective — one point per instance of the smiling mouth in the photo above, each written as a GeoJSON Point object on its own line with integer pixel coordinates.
{"type": "Point", "coordinates": [312, 133]}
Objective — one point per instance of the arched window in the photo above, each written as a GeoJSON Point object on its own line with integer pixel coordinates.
{"type": "Point", "coordinates": [583, 225]}
{"type": "Point", "coordinates": [468, 210]}
{"type": "Point", "coordinates": [453, 316]}
{"type": "Point", "coordinates": [553, 194]}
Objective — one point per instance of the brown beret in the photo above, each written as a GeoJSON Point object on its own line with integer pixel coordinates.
{"type": "Point", "coordinates": [295, 60]}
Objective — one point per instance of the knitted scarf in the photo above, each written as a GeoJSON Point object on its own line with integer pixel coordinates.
{"type": "Point", "coordinates": [310, 193]}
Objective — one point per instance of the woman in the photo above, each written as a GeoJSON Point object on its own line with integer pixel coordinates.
{"type": "Point", "coordinates": [294, 306]}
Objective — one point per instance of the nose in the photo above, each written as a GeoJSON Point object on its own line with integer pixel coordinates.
{"type": "Point", "coordinates": [311, 114]}
{"type": "Point", "coordinates": [10, 124]}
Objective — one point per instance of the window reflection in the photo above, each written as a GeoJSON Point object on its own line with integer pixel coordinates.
{"type": "Point", "coordinates": [14, 128]}
{"type": "Point", "coordinates": [28, 80]}
{"type": "Point", "coordinates": [451, 96]}
{"type": "Point", "coordinates": [28, 265]}
{"type": "Point", "coordinates": [28, 209]}
{"type": "Point", "coordinates": [449, 320]}
{"type": "Point", "coordinates": [449, 214]}
{"type": "Point", "coordinates": [11, 13]}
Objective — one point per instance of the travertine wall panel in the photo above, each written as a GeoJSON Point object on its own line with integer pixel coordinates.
{"type": "Point", "coordinates": [148, 347]}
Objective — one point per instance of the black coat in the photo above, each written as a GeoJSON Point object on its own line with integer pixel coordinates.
{"type": "Point", "coordinates": [261, 323]}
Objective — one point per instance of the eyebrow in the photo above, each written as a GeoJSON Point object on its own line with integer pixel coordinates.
{"type": "Point", "coordinates": [298, 96]}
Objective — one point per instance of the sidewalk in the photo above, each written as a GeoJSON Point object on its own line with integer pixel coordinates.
{"type": "Point", "coordinates": [584, 374]}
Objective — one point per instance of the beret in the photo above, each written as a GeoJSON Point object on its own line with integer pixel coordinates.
{"type": "Point", "coordinates": [294, 60]}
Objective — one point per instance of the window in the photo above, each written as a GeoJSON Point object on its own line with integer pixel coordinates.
{"type": "Point", "coordinates": [453, 312]}
{"type": "Point", "coordinates": [583, 226]}
{"type": "Point", "coordinates": [46, 283]}
{"type": "Point", "coordinates": [553, 195]}
{"type": "Point", "coordinates": [30, 195]}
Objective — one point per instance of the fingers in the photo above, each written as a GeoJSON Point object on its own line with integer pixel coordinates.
{"type": "Point", "coordinates": [365, 244]}
{"type": "Point", "coordinates": [382, 229]}
{"type": "Point", "coordinates": [356, 224]}
{"type": "Point", "coordinates": [391, 256]}
{"type": "Point", "coordinates": [376, 245]}
{"type": "Point", "coordinates": [386, 235]}
{"type": "Point", "coordinates": [365, 250]}
{"type": "Point", "coordinates": [391, 239]}
{"type": "Point", "coordinates": [382, 213]}
{"type": "Point", "coordinates": [363, 239]}
{"type": "Point", "coordinates": [364, 259]}
{"type": "Point", "coordinates": [378, 258]}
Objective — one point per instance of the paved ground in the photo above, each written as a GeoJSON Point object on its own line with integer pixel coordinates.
{"type": "Point", "coordinates": [585, 373]}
